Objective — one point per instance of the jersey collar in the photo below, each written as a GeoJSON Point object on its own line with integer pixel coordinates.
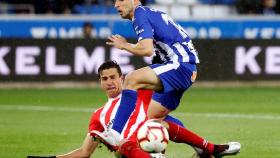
{"type": "Point", "coordinates": [110, 99]}
{"type": "Point", "coordinates": [134, 11]}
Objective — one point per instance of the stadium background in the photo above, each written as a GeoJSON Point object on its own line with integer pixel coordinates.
{"type": "Point", "coordinates": [49, 87]}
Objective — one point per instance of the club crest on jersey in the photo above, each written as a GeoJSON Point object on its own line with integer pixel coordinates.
{"type": "Point", "coordinates": [110, 124]}
{"type": "Point", "coordinates": [139, 31]}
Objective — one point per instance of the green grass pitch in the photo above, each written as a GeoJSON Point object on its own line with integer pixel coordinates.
{"type": "Point", "coordinates": [54, 121]}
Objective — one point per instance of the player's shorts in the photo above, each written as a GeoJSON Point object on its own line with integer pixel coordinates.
{"type": "Point", "coordinates": [170, 100]}
{"type": "Point", "coordinates": [175, 78]}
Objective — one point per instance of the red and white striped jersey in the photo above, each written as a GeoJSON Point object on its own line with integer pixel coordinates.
{"type": "Point", "coordinates": [103, 117]}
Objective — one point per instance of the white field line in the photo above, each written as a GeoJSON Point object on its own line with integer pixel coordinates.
{"type": "Point", "coordinates": [179, 114]}
{"type": "Point", "coordinates": [44, 108]}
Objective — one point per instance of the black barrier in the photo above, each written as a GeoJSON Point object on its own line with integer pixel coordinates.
{"type": "Point", "coordinates": [239, 59]}
{"type": "Point", "coordinates": [78, 59]}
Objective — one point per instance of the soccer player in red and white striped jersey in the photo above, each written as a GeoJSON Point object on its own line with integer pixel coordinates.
{"type": "Point", "coordinates": [103, 118]}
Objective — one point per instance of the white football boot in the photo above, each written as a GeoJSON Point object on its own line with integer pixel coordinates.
{"type": "Point", "coordinates": [110, 137]}
{"type": "Point", "coordinates": [233, 149]}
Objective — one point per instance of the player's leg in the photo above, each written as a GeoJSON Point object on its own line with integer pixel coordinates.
{"type": "Point", "coordinates": [179, 133]}
{"type": "Point", "coordinates": [144, 78]}
{"type": "Point", "coordinates": [156, 110]}
{"type": "Point", "coordinates": [199, 152]}
{"type": "Point", "coordinates": [131, 149]}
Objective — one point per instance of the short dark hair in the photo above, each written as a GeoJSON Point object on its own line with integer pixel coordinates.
{"type": "Point", "coordinates": [108, 65]}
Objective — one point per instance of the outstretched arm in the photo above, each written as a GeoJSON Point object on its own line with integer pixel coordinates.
{"type": "Point", "coordinates": [142, 48]}
{"type": "Point", "coordinates": [85, 151]}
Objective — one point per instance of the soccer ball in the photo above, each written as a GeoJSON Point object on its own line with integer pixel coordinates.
{"type": "Point", "coordinates": [152, 136]}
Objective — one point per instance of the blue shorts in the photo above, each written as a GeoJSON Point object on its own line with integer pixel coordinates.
{"type": "Point", "coordinates": [175, 78]}
{"type": "Point", "coordinates": [170, 100]}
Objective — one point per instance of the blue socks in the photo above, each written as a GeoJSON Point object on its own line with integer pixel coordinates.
{"type": "Point", "coordinates": [174, 120]}
{"type": "Point", "coordinates": [127, 106]}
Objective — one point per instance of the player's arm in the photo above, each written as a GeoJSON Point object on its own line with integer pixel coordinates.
{"type": "Point", "coordinates": [145, 34]}
{"type": "Point", "coordinates": [85, 150]}
{"type": "Point", "coordinates": [143, 47]}
{"type": "Point", "coordinates": [89, 144]}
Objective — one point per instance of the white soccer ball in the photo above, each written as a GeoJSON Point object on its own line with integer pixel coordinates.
{"type": "Point", "coordinates": [153, 137]}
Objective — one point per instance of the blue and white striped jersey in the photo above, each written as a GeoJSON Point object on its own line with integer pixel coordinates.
{"type": "Point", "coordinates": [171, 42]}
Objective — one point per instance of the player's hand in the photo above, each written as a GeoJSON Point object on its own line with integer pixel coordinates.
{"type": "Point", "coordinates": [117, 41]}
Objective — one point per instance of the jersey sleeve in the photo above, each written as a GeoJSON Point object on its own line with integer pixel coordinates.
{"type": "Point", "coordinates": [141, 24]}
{"type": "Point", "coordinates": [94, 123]}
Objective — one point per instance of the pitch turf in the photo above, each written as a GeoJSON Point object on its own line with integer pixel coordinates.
{"type": "Point", "coordinates": [54, 121]}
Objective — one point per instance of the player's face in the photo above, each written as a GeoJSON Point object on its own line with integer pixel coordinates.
{"type": "Point", "coordinates": [111, 82]}
{"type": "Point", "coordinates": [125, 8]}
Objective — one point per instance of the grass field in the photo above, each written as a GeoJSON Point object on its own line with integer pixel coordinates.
{"type": "Point", "coordinates": [54, 121]}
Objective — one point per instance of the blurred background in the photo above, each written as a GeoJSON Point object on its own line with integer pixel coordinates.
{"type": "Point", "coordinates": [64, 40]}
{"type": "Point", "coordinates": [50, 51]}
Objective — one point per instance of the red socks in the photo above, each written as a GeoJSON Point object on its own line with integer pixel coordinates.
{"type": "Point", "coordinates": [131, 150]}
{"type": "Point", "coordinates": [177, 134]}
{"type": "Point", "coordinates": [180, 134]}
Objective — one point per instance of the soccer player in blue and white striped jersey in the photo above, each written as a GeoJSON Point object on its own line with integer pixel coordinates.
{"type": "Point", "coordinates": [172, 74]}
{"type": "Point", "coordinates": [175, 70]}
